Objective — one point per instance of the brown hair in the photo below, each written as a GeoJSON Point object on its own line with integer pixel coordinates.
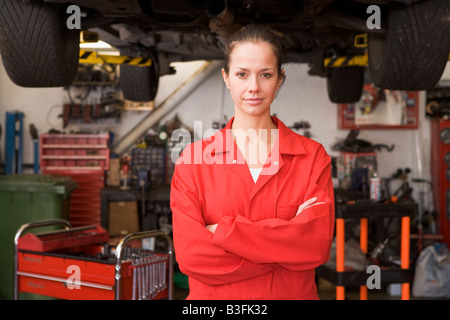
{"type": "Point", "coordinates": [253, 33]}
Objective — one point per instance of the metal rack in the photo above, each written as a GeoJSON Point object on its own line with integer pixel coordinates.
{"type": "Point", "coordinates": [117, 272]}
{"type": "Point", "coordinates": [363, 211]}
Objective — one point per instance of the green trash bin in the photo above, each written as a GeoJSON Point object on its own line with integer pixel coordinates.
{"type": "Point", "coordinates": [26, 198]}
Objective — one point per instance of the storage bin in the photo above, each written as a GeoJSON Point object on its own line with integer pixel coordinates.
{"type": "Point", "coordinates": [25, 198]}
{"type": "Point", "coordinates": [79, 152]}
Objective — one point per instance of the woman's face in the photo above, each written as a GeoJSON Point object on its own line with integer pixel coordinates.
{"type": "Point", "coordinates": [253, 78]}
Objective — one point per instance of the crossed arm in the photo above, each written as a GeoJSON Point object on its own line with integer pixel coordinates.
{"type": "Point", "coordinates": [237, 248]}
{"type": "Point", "coordinates": [304, 205]}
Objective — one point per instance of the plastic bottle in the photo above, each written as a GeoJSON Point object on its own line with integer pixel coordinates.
{"type": "Point", "coordinates": [375, 187]}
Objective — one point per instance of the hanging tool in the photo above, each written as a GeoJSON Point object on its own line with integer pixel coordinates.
{"type": "Point", "coordinates": [353, 144]}
{"type": "Point", "coordinates": [149, 275]}
{"type": "Point", "coordinates": [35, 138]}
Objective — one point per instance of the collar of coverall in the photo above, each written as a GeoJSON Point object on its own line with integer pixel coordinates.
{"type": "Point", "coordinates": [291, 143]}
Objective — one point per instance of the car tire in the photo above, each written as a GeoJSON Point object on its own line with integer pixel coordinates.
{"type": "Point", "coordinates": [139, 83]}
{"type": "Point", "coordinates": [413, 53]}
{"type": "Point", "coordinates": [37, 48]}
{"type": "Point", "coordinates": [345, 84]}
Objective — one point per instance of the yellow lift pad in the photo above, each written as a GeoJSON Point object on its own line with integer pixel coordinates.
{"type": "Point", "coordinates": [361, 61]}
{"type": "Point", "coordinates": [93, 57]}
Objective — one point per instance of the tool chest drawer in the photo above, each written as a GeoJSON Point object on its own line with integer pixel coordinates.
{"type": "Point", "coordinates": [48, 275]}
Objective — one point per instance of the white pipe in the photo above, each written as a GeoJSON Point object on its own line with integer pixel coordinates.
{"type": "Point", "coordinates": [170, 103]}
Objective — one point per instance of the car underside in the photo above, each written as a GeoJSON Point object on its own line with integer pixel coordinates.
{"type": "Point", "coordinates": [407, 50]}
{"type": "Point", "coordinates": [197, 30]}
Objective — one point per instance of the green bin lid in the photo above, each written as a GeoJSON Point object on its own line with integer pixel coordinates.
{"type": "Point", "coordinates": [38, 183]}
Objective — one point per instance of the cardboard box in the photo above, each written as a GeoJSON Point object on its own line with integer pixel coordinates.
{"type": "Point", "coordinates": [113, 175]}
{"type": "Point", "coordinates": [123, 217]}
{"type": "Point", "coordinates": [113, 179]}
{"type": "Point", "coordinates": [114, 164]}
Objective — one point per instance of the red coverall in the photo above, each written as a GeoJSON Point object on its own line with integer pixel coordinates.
{"type": "Point", "coordinates": [260, 249]}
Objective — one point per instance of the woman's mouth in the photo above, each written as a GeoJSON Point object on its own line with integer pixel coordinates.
{"type": "Point", "coordinates": [253, 101]}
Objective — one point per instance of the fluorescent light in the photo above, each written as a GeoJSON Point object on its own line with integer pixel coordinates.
{"type": "Point", "coordinates": [95, 45]}
{"type": "Point", "coordinates": [109, 52]}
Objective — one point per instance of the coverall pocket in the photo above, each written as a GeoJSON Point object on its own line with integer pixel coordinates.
{"type": "Point", "coordinates": [287, 212]}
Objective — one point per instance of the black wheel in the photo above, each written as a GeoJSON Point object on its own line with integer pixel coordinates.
{"type": "Point", "coordinates": [413, 53]}
{"type": "Point", "coordinates": [345, 84]}
{"type": "Point", "coordinates": [37, 48]}
{"type": "Point", "coordinates": [139, 83]}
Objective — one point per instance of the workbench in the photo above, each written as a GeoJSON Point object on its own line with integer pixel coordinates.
{"type": "Point", "coordinates": [365, 210]}
{"type": "Point", "coordinates": [149, 201]}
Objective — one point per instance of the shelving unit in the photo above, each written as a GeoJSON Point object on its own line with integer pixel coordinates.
{"type": "Point", "coordinates": [410, 117]}
{"type": "Point", "coordinates": [78, 152]}
{"type": "Point", "coordinates": [84, 158]}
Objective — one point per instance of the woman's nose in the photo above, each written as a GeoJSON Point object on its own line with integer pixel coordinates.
{"type": "Point", "coordinates": [254, 85]}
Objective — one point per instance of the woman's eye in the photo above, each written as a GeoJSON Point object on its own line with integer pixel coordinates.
{"type": "Point", "coordinates": [241, 74]}
{"type": "Point", "coordinates": [266, 75]}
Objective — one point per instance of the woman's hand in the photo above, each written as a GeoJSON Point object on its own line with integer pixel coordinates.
{"type": "Point", "coordinates": [212, 227]}
{"type": "Point", "coordinates": [305, 204]}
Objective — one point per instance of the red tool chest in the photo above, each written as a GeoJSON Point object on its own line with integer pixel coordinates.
{"type": "Point", "coordinates": [78, 263]}
{"type": "Point", "coordinates": [85, 201]}
{"type": "Point", "coordinates": [84, 158]}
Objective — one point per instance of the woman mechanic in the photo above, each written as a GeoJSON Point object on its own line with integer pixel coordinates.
{"type": "Point", "coordinates": [253, 205]}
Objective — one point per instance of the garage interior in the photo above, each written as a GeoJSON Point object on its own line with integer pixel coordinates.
{"type": "Point", "coordinates": [85, 155]}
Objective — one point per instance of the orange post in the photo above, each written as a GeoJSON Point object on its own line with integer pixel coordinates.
{"type": "Point", "coordinates": [404, 253]}
{"type": "Point", "coordinates": [363, 238]}
{"type": "Point", "coordinates": [340, 255]}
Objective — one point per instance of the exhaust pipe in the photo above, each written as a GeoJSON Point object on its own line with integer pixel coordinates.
{"type": "Point", "coordinates": [217, 9]}
{"type": "Point", "coordinates": [222, 19]}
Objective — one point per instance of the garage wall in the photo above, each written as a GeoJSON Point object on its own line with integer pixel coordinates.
{"type": "Point", "coordinates": [40, 107]}
{"type": "Point", "coordinates": [302, 97]}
